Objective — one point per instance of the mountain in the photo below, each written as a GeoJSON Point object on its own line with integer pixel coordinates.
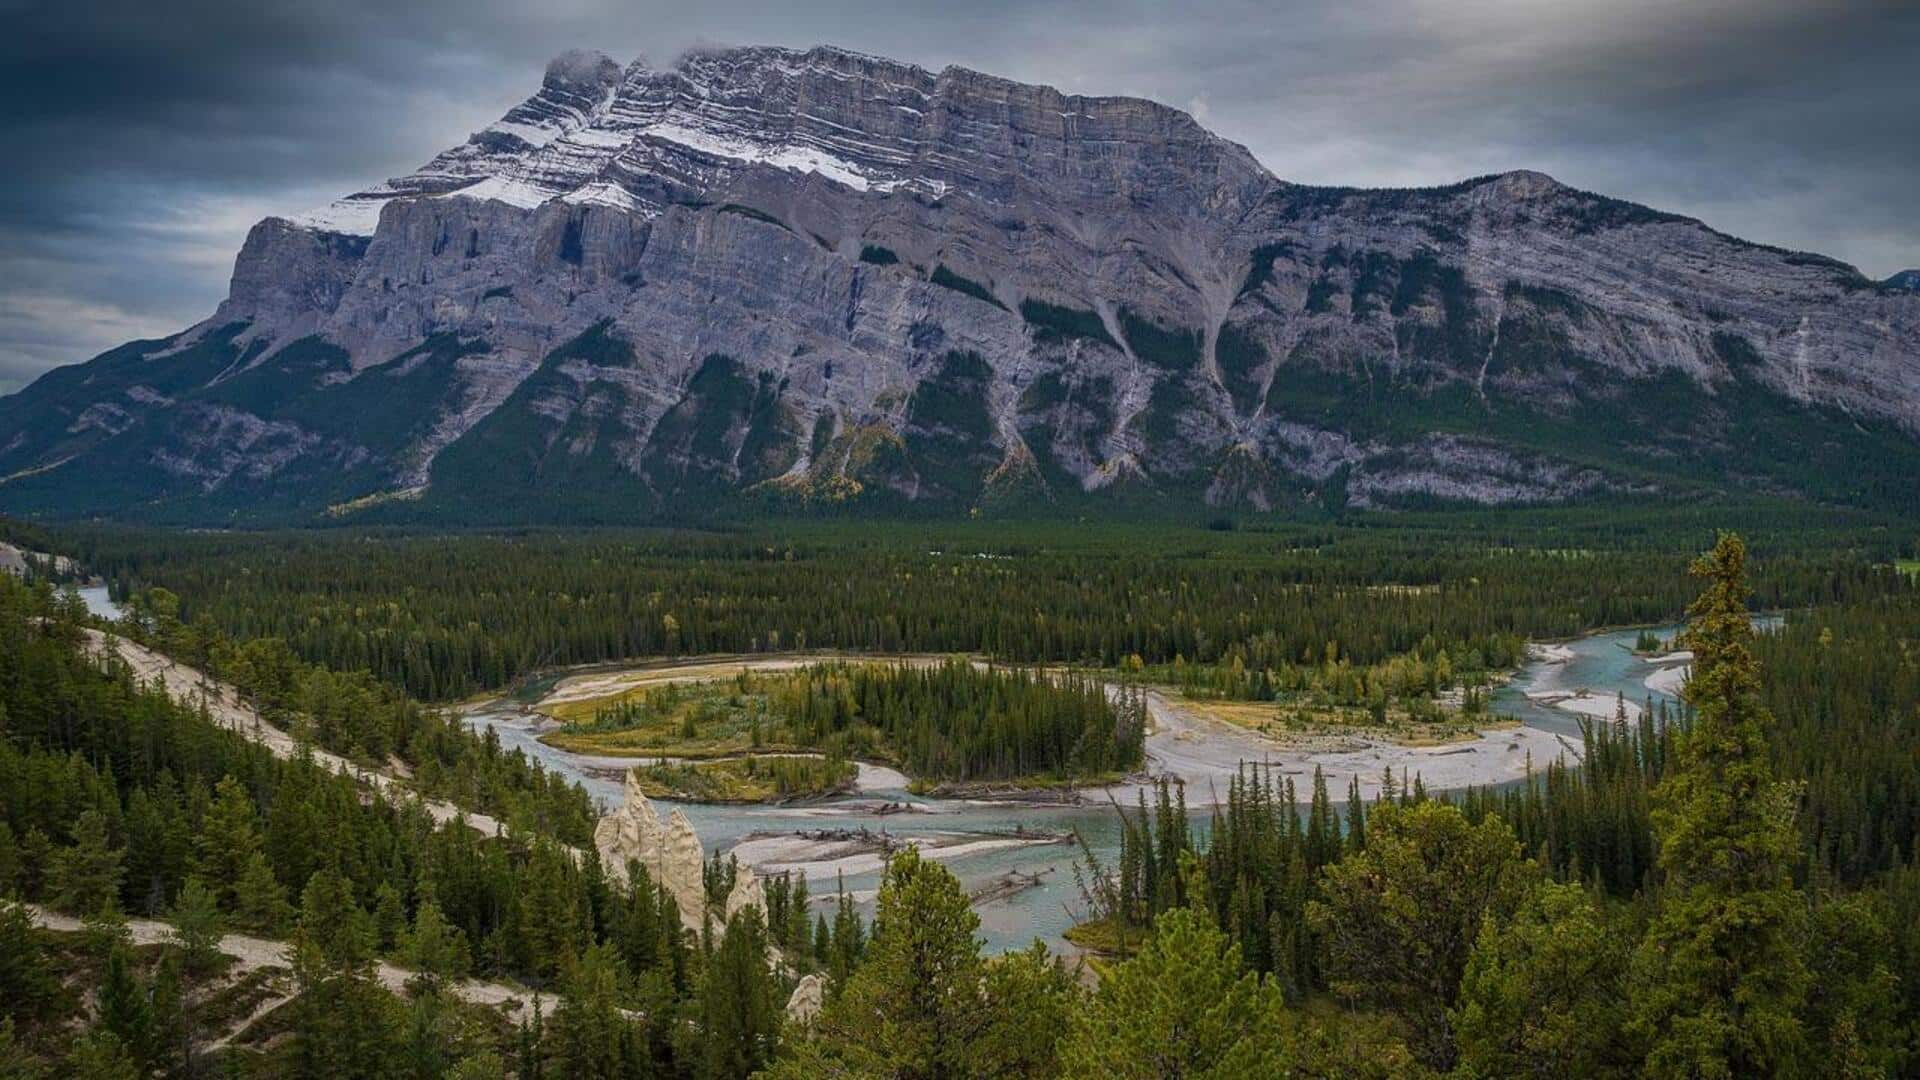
{"type": "Point", "coordinates": [814, 276]}
{"type": "Point", "coordinates": [1907, 280]}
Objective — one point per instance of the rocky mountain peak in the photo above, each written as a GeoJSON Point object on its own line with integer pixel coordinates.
{"type": "Point", "coordinates": [1521, 185]}
{"type": "Point", "coordinates": [806, 275]}
{"type": "Point", "coordinates": [582, 70]}
{"type": "Point", "coordinates": [630, 138]}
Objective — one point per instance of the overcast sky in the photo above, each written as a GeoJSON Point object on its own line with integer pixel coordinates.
{"type": "Point", "coordinates": [142, 138]}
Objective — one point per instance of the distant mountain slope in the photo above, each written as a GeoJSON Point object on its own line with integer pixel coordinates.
{"type": "Point", "coordinates": [825, 276]}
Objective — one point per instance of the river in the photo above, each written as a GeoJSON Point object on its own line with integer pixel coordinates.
{"type": "Point", "coordinates": [1601, 664]}
{"type": "Point", "coordinates": [99, 602]}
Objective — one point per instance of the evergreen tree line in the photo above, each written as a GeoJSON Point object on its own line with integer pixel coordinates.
{"type": "Point", "coordinates": [444, 617]}
{"type": "Point", "coordinates": [955, 721]}
{"type": "Point", "coordinates": [950, 720]}
{"type": "Point", "coordinates": [1669, 907]}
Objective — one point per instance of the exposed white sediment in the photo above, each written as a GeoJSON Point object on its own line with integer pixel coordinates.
{"type": "Point", "coordinates": [1587, 703]}
{"type": "Point", "coordinates": [1206, 754]}
{"type": "Point", "coordinates": [1546, 652]}
{"type": "Point", "coordinates": [1202, 753]}
{"type": "Point", "coordinates": [824, 856]}
{"type": "Point", "coordinates": [670, 853]}
{"type": "Point", "coordinates": [1675, 669]}
{"type": "Point", "coordinates": [808, 995]}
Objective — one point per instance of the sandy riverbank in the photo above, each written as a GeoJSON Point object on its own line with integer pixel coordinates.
{"type": "Point", "coordinates": [1207, 754]}
{"type": "Point", "coordinates": [1202, 753]}
{"type": "Point", "coordinates": [1675, 667]}
{"type": "Point", "coordinates": [823, 855]}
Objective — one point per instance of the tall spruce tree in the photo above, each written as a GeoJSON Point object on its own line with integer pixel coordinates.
{"type": "Point", "coordinates": [739, 1003]}
{"type": "Point", "coordinates": [86, 877]}
{"type": "Point", "coordinates": [1721, 974]}
{"type": "Point", "coordinates": [913, 1006]}
{"type": "Point", "coordinates": [590, 1036]}
{"type": "Point", "coordinates": [1399, 918]}
{"type": "Point", "coordinates": [1184, 1007]}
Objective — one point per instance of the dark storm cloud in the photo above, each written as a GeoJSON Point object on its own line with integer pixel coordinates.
{"type": "Point", "coordinates": [144, 138]}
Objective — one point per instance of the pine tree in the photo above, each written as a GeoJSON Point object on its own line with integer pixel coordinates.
{"type": "Point", "coordinates": [170, 1045]}
{"type": "Point", "coordinates": [85, 878]}
{"type": "Point", "coordinates": [197, 927]}
{"type": "Point", "coordinates": [822, 940]}
{"type": "Point", "coordinates": [548, 924]}
{"type": "Point", "coordinates": [228, 842]}
{"type": "Point", "coordinates": [123, 1006]}
{"type": "Point", "coordinates": [1184, 1006]}
{"type": "Point", "coordinates": [739, 1009]}
{"type": "Point", "coordinates": [100, 1055]}
{"type": "Point", "coordinates": [426, 1046]}
{"type": "Point", "coordinates": [849, 940]}
{"type": "Point", "coordinates": [1356, 817]}
{"type": "Point", "coordinates": [348, 1025]}
{"type": "Point", "coordinates": [30, 990]}
{"type": "Point", "coordinates": [913, 1005]}
{"type": "Point", "coordinates": [389, 917]}
{"type": "Point", "coordinates": [528, 1049]}
{"type": "Point", "coordinates": [1030, 998]}
{"type": "Point", "coordinates": [36, 857]}
{"type": "Point", "coordinates": [17, 1062]}
{"type": "Point", "coordinates": [589, 1036]}
{"type": "Point", "coordinates": [335, 936]}
{"type": "Point", "coordinates": [1720, 971]}
{"type": "Point", "coordinates": [435, 950]}
{"type": "Point", "coordinates": [1543, 994]}
{"type": "Point", "coordinates": [1399, 918]}
{"type": "Point", "coordinates": [9, 854]}
{"type": "Point", "coordinates": [793, 935]}
{"type": "Point", "coordinates": [259, 900]}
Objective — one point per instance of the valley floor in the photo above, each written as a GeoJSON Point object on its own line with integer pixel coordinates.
{"type": "Point", "coordinates": [1183, 744]}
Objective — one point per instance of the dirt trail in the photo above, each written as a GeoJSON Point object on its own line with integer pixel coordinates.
{"type": "Point", "coordinates": [252, 954]}
{"type": "Point", "coordinates": [228, 708]}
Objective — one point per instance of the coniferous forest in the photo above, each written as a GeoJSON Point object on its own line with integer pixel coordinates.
{"type": "Point", "coordinates": [944, 721]}
{"type": "Point", "coordinates": [446, 616]}
{"type": "Point", "coordinates": [1728, 888]}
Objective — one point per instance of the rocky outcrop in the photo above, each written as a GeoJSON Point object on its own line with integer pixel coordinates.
{"type": "Point", "coordinates": [747, 892]}
{"type": "Point", "coordinates": [670, 853]}
{"type": "Point", "coordinates": [809, 994]}
{"type": "Point", "coordinates": [20, 562]}
{"type": "Point", "coordinates": [820, 275]}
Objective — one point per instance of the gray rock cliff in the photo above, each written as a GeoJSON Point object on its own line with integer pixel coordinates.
{"type": "Point", "coordinates": [821, 276]}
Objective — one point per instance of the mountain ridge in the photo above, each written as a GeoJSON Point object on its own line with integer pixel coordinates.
{"type": "Point", "coordinates": [817, 275]}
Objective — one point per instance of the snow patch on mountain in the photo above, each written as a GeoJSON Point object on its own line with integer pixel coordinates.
{"type": "Point", "coordinates": [795, 158]}
{"type": "Point", "coordinates": [352, 216]}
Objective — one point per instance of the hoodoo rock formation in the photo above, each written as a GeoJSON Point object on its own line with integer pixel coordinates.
{"type": "Point", "coordinates": [670, 853]}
